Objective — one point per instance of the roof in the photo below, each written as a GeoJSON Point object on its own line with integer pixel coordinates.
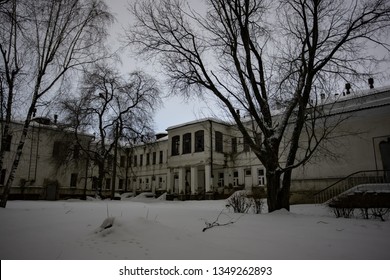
{"type": "Point", "coordinates": [196, 122]}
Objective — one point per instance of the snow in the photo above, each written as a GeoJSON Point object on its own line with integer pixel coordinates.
{"type": "Point", "coordinates": [143, 228]}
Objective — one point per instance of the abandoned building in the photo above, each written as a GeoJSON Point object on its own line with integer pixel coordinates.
{"type": "Point", "coordinates": [206, 156]}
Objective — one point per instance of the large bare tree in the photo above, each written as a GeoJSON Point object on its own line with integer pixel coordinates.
{"type": "Point", "coordinates": [42, 41]}
{"type": "Point", "coordinates": [118, 110]}
{"type": "Point", "coordinates": [255, 56]}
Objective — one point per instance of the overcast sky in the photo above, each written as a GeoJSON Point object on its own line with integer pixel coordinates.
{"type": "Point", "coordinates": [174, 110]}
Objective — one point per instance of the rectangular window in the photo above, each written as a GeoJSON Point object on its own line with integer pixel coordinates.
{"type": "Point", "coordinates": [154, 158]}
{"type": "Point", "coordinates": [261, 177]}
{"type": "Point", "coordinates": [129, 160]}
{"type": "Point", "coordinates": [7, 140]}
{"type": "Point", "coordinates": [108, 183]}
{"type": "Point", "coordinates": [121, 184]}
{"type": "Point", "coordinates": [94, 182]}
{"type": "Point", "coordinates": [122, 162]}
{"type": "Point", "coordinates": [246, 146]}
{"type": "Point", "coordinates": [60, 149]}
{"type": "Point", "coordinates": [235, 178]}
{"type": "Point", "coordinates": [2, 176]}
{"type": "Point", "coordinates": [73, 180]}
{"type": "Point", "coordinates": [147, 159]}
{"type": "Point", "coordinates": [234, 145]}
{"type": "Point", "coordinates": [175, 145]}
{"type": "Point", "coordinates": [76, 152]}
{"type": "Point", "coordinates": [199, 141]}
{"type": "Point", "coordinates": [161, 156]}
{"type": "Point", "coordinates": [141, 160]}
{"type": "Point", "coordinates": [218, 142]}
{"type": "Point", "coordinates": [135, 160]}
{"type": "Point", "coordinates": [187, 143]}
{"type": "Point", "coordinates": [160, 182]}
{"type": "Point", "coordinates": [110, 162]}
{"type": "Point", "coordinates": [221, 181]}
{"type": "Point", "coordinates": [248, 172]}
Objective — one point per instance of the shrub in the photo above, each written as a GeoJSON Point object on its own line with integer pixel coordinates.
{"type": "Point", "coordinates": [243, 201]}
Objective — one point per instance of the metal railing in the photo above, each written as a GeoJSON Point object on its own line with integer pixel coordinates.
{"type": "Point", "coordinates": [352, 180]}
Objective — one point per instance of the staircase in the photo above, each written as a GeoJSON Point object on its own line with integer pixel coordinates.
{"type": "Point", "coordinates": [352, 180]}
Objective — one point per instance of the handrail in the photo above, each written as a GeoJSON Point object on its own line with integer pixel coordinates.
{"type": "Point", "coordinates": [347, 177]}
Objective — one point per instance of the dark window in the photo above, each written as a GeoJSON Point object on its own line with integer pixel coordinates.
{"type": "Point", "coordinates": [218, 142]}
{"type": "Point", "coordinates": [187, 143]}
{"type": "Point", "coordinates": [60, 149]}
{"type": "Point", "coordinates": [76, 151]}
{"type": "Point", "coordinates": [234, 145]}
{"type": "Point", "coordinates": [154, 158]}
{"type": "Point", "coordinates": [110, 162]}
{"type": "Point", "coordinates": [2, 176]}
{"type": "Point", "coordinates": [141, 160]}
{"type": "Point", "coordinates": [221, 180]}
{"type": "Point", "coordinates": [129, 160]}
{"type": "Point", "coordinates": [246, 146]}
{"type": "Point", "coordinates": [199, 141]}
{"type": "Point", "coordinates": [135, 160]}
{"type": "Point", "coordinates": [94, 182]}
{"type": "Point", "coordinates": [73, 180]}
{"type": "Point", "coordinates": [161, 156]}
{"type": "Point", "coordinates": [147, 159]}
{"type": "Point", "coordinates": [175, 145]}
{"type": "Point", "coordinates": [121, 184]}
{"type": "Point", "coordinates": [108, 183]}
{"type": "Point", "coordinates": [261, 177]}
{"type": "Point", "coordinates": [7, 140]}
{"type": "Point", "coordinates": [122, 161]}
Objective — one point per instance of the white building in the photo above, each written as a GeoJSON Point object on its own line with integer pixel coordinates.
{"type": "Point", "coordinates": [197, 159]}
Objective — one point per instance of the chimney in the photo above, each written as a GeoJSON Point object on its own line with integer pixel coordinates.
{"type": "Point", "coordinates": [371, 82]}
{"type": "Point", "coordinates": [348, 88]}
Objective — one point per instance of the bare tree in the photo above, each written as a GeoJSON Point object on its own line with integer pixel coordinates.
{"type": "Point", "coordinates": [255, 56]}
{"type": "Point", "coordinates": [52, 38]}
{"type": "Point", "coordinates": [117, 110]}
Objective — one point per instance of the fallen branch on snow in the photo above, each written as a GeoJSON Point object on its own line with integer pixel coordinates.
{"type": "Point", "coordinates": [217, 224]}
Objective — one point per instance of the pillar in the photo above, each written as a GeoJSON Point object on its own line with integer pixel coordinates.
{"type": "Point", "coordinates": [194, 180]}
{"type": "Point", "coordinates": [169, 181]}
{"type": "Point", "coordinates": [208, 181]}
{"type": "Point", "coordinates": [182, 180]}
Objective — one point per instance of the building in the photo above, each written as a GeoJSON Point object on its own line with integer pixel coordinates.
{"type": "Point", "coordinates": [208, 156]}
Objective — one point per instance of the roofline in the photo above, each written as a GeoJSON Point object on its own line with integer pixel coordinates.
{"type": "Point", "coordinates": [214, 120]}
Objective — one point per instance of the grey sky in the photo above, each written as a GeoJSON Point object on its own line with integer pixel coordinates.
{"type": "Point", "coordinates": [174, 110]}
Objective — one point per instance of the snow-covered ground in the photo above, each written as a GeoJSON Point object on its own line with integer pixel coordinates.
{"type": "Point", "coordinates": [156, 229]}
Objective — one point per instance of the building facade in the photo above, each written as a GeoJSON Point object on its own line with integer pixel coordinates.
{"type": "Point", "coordinates": [207, 156]}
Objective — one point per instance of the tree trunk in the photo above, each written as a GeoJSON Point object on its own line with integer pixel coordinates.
{"type": "Point", "coordinates": [101, 172]}
{"type": "Point", "coordinates": [276, 196]}
{"type": "Point", "coordinates": [15, 164]}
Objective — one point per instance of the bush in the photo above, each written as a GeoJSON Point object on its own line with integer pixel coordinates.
{"type": "Point", "coordinates": [243, 201]}
{"type": "Point", "coordinates": [371, 205]}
